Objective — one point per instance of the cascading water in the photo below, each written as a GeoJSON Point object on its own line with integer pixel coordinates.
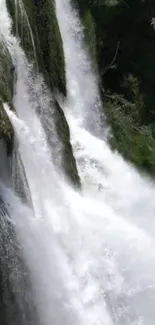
{"type": "Point", "coordinates": [86, 104]}
{"type": "Point", "coordinates": [100, 169]}
{"type": "Point", "coordinates": [104, 174]}
{"type": "Point", "coordinates": [16, 302]}
{"type": "Point", "coordinates": [90, 257]}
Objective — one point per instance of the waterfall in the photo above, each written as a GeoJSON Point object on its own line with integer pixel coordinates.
{"type": "Point", "coordinates": [21, 14]}
{"type": "Point", "coordinates": [15, 287]}
{"type": "Point", "coordinates": [24, 15]}
{"type": "Point", "coordinates": [104, 173]}
{"type": "Point", "coordinates": [83, 95]}
{"type": "Point", "coordinates": [72, 251]}
{"type": "Point", "coordinates": [89, 256]}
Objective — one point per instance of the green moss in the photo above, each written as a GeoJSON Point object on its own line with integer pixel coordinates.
{"type": "Point", "coordinates": [69, 163]}
{"type": "Point", "coordinates": [51, 44]}
{"type": "Point", "coordinates": [6, 92]}
{"type": "Point", "coordinates": [23, 19]}
{"type": "Point", "coordinates": [90, 35]}
{"type": "Point", "coordinates": [37, 27]}
{"type": "Point", "coordinates": [41, 29]}
{"type": "Point", "coordinates": [87, 19]}
{"type": "Point", "coordinates": [6, 131]}
{"type": "Point", "coordinates": [6, 74]}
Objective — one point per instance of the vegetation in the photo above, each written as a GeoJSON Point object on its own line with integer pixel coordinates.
{"type": "Point", "coordinates": [121, 38]}
{"type": "Point", "coordinates": [125, 47]}
{"type": "Point", "coordinates": [120, 35]}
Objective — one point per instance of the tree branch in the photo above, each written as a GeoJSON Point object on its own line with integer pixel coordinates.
{"type": "Point", "coordinates": [113, 60]}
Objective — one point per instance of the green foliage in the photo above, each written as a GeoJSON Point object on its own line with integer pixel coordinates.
{"type": "Point", "coordinates": [135, 141]}
{"type": "Point", "coordinates": [111, 3]}
{"type": "Point", "coordinates": [125, 47]}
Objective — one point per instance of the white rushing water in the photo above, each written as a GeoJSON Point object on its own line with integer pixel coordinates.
{"type": "Point", "coordinates": [91, 256]}
{"type": "Point", "coordinates": [105, 175]}
{"type": "Point", "coordinates": [83, 92]}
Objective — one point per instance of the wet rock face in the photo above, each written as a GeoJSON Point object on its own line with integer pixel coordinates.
{"type": "Point", "coordinates": [68, 161]}
{"type": "Point", "coordinates": [7, 74]}
{"type": "Point", "coordinates": [16, 296]}
{"type": "Point", "coordinates": [37, 19]}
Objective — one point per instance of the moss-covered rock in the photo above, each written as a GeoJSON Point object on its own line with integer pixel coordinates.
{"type": "Point", "coordinates": [90, 33]}
{"type": "Point", "coordinates": [89, 25]}
{"type": "Point", "coordinates": [16, 294]}
{"type": "Point", "coordinates": [23, 20]}
{"type": "Point", "coordinates": [51, 43]}
{"type": "Point", "coordinates": [69, 163]}
{"type": "Point", "coordinates": [6, 93]}
{"type": "Point", "coordinates": [36, 25]}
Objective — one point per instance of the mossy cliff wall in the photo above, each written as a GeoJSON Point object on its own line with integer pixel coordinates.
{"type": "Point", "coordinates": [6, 93]}
{"type": "Point", "coordinates": [6, 133]}
{"type": "Point", "coordinates": [36, 24]}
